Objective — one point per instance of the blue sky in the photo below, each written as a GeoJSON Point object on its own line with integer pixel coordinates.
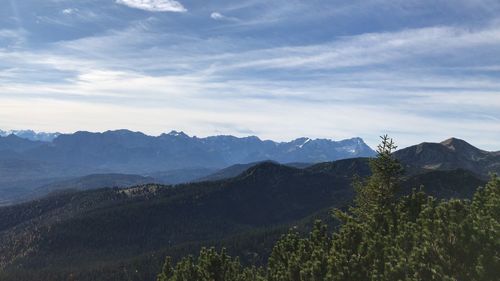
{"type": "Point", "coordinates": [419, 70]}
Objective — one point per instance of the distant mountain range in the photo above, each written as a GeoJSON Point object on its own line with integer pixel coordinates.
{"type": "Point", "coordinates": [126, 150]}
{"type": "Point", "coordinates": [30, 168]}
{"type": "Point", "coordinates": [31, 135]}
{"type": "Point", "coordinates": [175, 157]}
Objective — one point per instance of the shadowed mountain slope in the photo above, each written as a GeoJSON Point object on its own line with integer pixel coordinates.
{"type": "Point", "coordinates": [235, 170]}
{"type": "Point", "coordinates": [95, 181]}
{"type": "Point", "coordinates": [67, 228]}
{"type": "Point", "coordinates": [12, 144]}
{"type": "Point", "coordinates": [135, 227]}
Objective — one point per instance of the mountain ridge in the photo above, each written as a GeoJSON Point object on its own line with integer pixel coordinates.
{"type": "Point", "coordinates": [128, 152]}
{"type": "Point", "coordinates": [31, 135]}
{"type": "Point", "coordinates": [58, 233]}
{"type": "Point", "coordinates": [450, 154]}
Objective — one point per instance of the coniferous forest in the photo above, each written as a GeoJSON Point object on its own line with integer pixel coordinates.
{"type": "Point", "coordinates": [383, 236]}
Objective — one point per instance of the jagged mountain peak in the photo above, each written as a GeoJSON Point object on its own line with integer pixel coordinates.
{"type": "Point", "coordinates": [30, 135]}
{"type": "Point", "coordinates": [175, 133]}
{"type": "Point", "coordinates": [12, 137]}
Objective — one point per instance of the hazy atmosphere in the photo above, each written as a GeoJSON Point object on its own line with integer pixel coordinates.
{"type": "Point", "coordinates": [418, 70]}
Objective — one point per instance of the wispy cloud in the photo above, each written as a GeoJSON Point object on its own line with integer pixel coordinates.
{"type": "Point", "coordinates": [12, 38]}
{"type": "Point", "coordinates": [376, 48]}
{"type": "Point", "coordinates": [154, 5]}
{"type": "Point", "coordinates": [69, 11]}
{"type": "Point", "coordinates": [219, 16]}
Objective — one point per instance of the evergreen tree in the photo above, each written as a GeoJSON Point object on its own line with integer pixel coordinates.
{"type": "Point", "coordinates": [210, 265]}
{"type": "Point", "coordinates": [381, 187]}
{"type": "Point", "coordinates": [296, 259]}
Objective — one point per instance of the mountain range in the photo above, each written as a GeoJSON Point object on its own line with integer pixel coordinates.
{"type": "Point", "coordinates": [31, 135]}
{"type": "Point", "coordinates": [134, 151]}
{"type": "Point", "coordinates": [124, 233]}
{"type": "Point", "coordinates": [174, 157]}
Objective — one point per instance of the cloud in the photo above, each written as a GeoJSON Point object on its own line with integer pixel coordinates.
{"type": "Point", "coordinates": [216, 16]}
{"type": "Point", "coordinates": [371, 49]}
{"type": "Point", "coordinates": [12, 37]}
{"type": "Point", "coordinates": [338, 106]}
{"type": "Point", "coordinates": [219, 16]}
{"type": "Point", "coordinates": [154, 5]}
{"type": "Point", "coordinates": [69, 11]}
{"type": "Point", "coordinates": [8, 33]}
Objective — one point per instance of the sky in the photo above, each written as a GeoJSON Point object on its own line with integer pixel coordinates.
{"type": "Point", "coordinates": [418, 70]}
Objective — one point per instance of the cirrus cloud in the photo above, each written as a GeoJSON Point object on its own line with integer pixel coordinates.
{"type": "Point", "coordinates": [154, 5]}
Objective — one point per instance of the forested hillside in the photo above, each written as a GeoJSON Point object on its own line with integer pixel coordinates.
{"type": "Point", "coordinates": [124, 234]}
{"type": "Point", "coordinates": [382, 237]}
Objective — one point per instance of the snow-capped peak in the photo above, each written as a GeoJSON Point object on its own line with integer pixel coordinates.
{"type": "Point", "coordinates": [31, 135]}
{"type": "Point", "coordinates": [305, 142]}
{"type": "Point", "coordinates": [177, 134]}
